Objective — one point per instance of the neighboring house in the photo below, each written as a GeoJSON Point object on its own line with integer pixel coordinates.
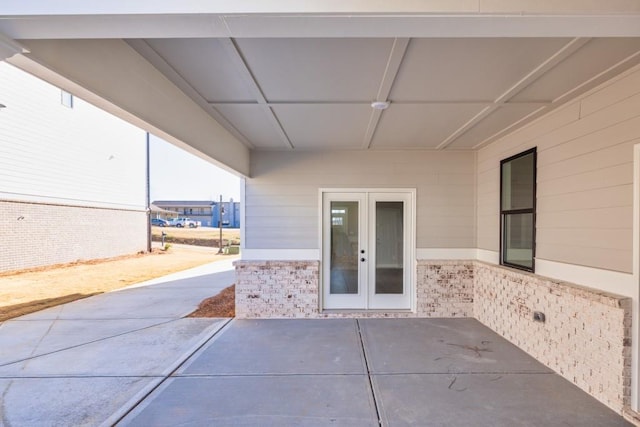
{"type": "Point", "coordinates": [158, 212]}
{"type": "Point", "coordinates": [72, 177]}
{"type": "Point", "coordinates": [205, 211]}
{"type": "Point", "coordinates": [427, 202]}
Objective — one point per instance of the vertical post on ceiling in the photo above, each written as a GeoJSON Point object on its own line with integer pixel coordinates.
{"type": "Point", "coordinates": [220, 224]}
{"type": "Point", "coordinates": [148, 195]}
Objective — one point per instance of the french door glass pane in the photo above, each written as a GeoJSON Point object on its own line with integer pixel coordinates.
{"type": "Point", "coordinates": [389, 248]}
{"type": "Point", "coordinates": [344, 248]}
{"type": "Point", "coordinates": [518, 239]}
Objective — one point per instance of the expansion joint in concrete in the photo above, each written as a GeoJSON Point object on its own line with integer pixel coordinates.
{"type": "Point", "coordinates": [369, 378]}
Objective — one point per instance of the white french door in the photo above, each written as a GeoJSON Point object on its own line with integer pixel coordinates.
{"type": "Point", "coordinates": [367, 250]}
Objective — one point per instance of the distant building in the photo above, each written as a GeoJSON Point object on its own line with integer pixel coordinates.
{"type": "Point", "coordinates": [72, 180]}
{"type": "Point", "coordinates": [158, 212]}
{"type": "Point", "coordinates": [205, 211]}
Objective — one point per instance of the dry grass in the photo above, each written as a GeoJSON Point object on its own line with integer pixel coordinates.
{"type": "Point", "coordinates": [220, 305]}
{"type": "Point", "coordinates": [11, 311]}
{"type": "Point", "coordinates": [201, 236]}
{"type": "Point", "coordinates": [33, 290]}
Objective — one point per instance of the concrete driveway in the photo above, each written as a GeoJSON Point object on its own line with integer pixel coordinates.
{"type": "Point", "coordinates": [129, 358]}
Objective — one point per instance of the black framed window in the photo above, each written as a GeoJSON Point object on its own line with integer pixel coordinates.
{"type": "Point", "coordinates": [518, 210]}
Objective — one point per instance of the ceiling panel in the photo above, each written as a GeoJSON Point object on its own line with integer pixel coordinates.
{"type": "Point", "coordinates": [468, 69]}
{"type": "Point", "coordinates": [421, 125]}
{"type": "Point", "coordinates": [330, 70]}
{"type": "Point", "coordinates": [593, 58]}
{"type": "Point", "coordinates": [254, 123]}
{"type": "Point", "coordinates": [206, 66]}
{"type": "Point", "coordinates": [324, 126]}
{"type": "Point", "coordinates": [495, 122]}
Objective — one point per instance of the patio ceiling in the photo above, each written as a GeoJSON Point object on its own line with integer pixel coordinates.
{"type": "Point", "coordinates": [444, 93]}
{"type": "Point", "coordinates": [223, 78]}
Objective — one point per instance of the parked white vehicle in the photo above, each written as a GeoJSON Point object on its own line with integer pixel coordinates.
{"type": "Point", "coordinates": [184, 222]}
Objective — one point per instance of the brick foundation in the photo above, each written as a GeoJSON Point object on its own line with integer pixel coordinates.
{"type": "Point", "coordinates": [273, 289]}
{"type": "Point", "coordinates": [444, 288]}
{"type": "Point", "coordinates": [586, 336]}
{"type": "Point", "coordinates": [267, 289]}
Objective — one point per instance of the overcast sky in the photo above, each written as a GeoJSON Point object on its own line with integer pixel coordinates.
{"type": "Point", "coordinates": [178, 175]}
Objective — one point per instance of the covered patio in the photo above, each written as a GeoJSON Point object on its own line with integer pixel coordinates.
{"type": "Point", "coordinates": [477, 159]}
{"type": "Point", "coordinates": [91, 363]}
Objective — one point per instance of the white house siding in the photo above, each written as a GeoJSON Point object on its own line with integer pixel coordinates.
{"type": "Point", "coordinates": [72, 180]}
{"type": "Point", "coordinates": [282, 199]}
{"type": "Point", "coordinates": [584, 182]}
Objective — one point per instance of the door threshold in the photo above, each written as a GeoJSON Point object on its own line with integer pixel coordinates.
{"type": "Point", "coordinates": [361, 311]}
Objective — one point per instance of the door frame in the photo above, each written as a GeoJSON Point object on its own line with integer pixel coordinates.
{"type": "Point", "coordinates": [411, 244]}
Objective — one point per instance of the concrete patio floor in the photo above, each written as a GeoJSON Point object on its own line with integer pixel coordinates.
{"type": "Point", "coordinates": [130, 358]}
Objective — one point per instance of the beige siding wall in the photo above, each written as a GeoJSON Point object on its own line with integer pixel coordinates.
{"type": "Point", "coordinates": [585, 178]}
{"type": "Point", "coordinates": [282, 209]}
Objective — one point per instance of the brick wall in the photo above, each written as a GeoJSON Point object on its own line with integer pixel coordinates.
{"type": "Point", "coordinates": [34, 234]}
{"type": "Point", "coordinates": [272, 289]}
{"type": "Point", "coordinates": [586, 336]}
{"type": "Point", "coordinates": [444, 288]}
{"type": "Point", "coordinates": [291, 289]}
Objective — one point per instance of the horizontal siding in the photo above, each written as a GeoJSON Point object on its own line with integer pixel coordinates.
{"type": "Point", "coordinates": [78, 155]}
{"type": "Point", "coordinates": [281, 198]}
{"type": "Point", "coordinates": [584, 182]}
{"type": "Point", "coordinates": [608, 197]}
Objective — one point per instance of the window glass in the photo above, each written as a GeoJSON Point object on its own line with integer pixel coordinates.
{"type": "Point", "coordinates": [517, 183]}
{"type": "Point", "coordinates": [389, 247]}
{"type": "Point", "coordinates": [344, 248]}
{"type": "Point", "coordinates": [517, 202]}
{"type": "Point", "coordinates": [66, 99]}
{"type": "Point", "coordinates": [518, 240]}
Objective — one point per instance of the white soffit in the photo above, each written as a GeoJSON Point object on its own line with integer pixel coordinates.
{"type": "Point", "coordinates": [421, 125]}
{"type": "Point", "coordinates": [501, 118]}
{"type": "Point", "coordinates": [283, 74]}
{"type": "Point", "coordinates": [468, 69]}
{"type": "Point", "coordinates": [316, 70]}
{"type": "Point", "coordinates": [597, 56]}
{"type": "Point", "coordinates": [205, 64]}
{"type": "Point", "coordinates": [324, 126]}
{"type": "Point", "coordinates": [310, 93]}
{"type": "Point", "coordinates": [254, 124]}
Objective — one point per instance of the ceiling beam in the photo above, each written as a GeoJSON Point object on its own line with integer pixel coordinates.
{"type": "Point", "coordinates": [144, 49]}
{"type": "Point", "coordinates": [57, 20]}
{"type": "Point", "coordinates": [473, 102]}
{"type": "Point", "coordinates": [113, 76]}
{"type": "Point", "coordinates": [398, 49]}
{"type": "Point", "coordinates": [601, 77]}
{"type": "Point", "coordinates": [9, 47]}
{"type": "Point", "coordinates": [592, 82]}
{"type": "Point", "coordinates": [327, 7]}
{"type": "Point", "coordinates": [252, 84]}
{"type": "Point", "coordinates": [560, 55]}
{"type": "Point", "coordinates": [468, 125]}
